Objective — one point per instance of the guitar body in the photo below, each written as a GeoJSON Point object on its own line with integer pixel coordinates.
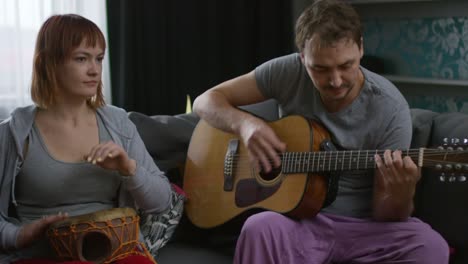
{"type": "Point", "coordinates": [210, 200]}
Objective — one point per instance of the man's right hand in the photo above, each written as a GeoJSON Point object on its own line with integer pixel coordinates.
{"type": "Point", "coordinates": [34, 230]}
{"type": "Point", "coordinates": [262, 143]}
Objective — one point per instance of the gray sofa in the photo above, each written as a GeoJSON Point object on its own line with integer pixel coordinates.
{"type": "Point", "coordinates": [440, 199]}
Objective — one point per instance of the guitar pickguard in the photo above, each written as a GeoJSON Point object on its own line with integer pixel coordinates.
{"type": "Point", "coordinates": [249, 192]}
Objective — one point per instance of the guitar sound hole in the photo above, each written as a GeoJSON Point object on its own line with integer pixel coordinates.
{"type": "Point", "coordinates": [271, 175]}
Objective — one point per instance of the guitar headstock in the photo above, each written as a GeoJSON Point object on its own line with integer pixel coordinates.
{"type": "Point", "coordinates": [451, 159]}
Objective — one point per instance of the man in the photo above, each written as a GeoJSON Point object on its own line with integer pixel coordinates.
{"type": "Point", "coordinates": [370, 220]}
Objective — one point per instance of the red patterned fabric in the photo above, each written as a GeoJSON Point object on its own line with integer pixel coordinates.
{"type": "Point", "coordinates": [127, 260]}
{"type": "Point", "coordinates": [44, 261]}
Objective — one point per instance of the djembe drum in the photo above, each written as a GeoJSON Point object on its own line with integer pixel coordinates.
{"type": "Point", "coordinates": [100, 237]}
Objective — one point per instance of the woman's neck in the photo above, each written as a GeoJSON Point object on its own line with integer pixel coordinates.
{"type": "Point", "coordinates": [65, 112]}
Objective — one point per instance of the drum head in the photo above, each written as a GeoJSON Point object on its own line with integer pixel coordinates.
{"type": "Point", "coordinates": [99, 216]}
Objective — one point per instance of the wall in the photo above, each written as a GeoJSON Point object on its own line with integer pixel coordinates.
{"type": "Point", "coordinates": [424, 49]}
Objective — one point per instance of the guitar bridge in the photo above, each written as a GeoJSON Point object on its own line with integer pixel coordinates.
{"type": "Point", "coordinates": [229, 161]}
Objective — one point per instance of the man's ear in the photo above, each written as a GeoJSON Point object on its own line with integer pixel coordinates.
{"type": "Point", "coordinates": [301, 54]}
{"type": "Point", "coordinates": [361, 48]}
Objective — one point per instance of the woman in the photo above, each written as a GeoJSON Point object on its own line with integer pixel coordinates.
{"type": "Point", "coordinates": [69, 154]}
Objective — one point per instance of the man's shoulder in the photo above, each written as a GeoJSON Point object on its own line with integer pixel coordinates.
{"type": "Point", "coordinates": [288, 58]}
{"type": "Point", "coordinates": [382, 87]}
{"type": "Point", "coordinates": [283, 67]}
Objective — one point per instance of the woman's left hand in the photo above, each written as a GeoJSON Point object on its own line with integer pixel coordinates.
{"type": "Point", "coordinates": [112, 157]}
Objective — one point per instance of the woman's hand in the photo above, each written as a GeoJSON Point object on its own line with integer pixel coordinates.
{"type": "Point", "coordinates": [34, 230]}
{"type": "Point", "coordinates": [112, 157]}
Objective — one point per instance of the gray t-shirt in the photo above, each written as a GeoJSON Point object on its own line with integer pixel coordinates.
{"type": "Point", "coordinates": [378, 118]}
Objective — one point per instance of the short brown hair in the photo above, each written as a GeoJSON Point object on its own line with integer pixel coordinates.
{"type": "Point", "coordinates": [330, 20]}
{"type": "Point", "coordinates": [57, 38]}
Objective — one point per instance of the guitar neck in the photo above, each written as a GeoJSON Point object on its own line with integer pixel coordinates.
{"type": "Point", "coordinates": [323, 161]}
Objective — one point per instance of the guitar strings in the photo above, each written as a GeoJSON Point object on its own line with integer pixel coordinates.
{"type": "Point", "coordinates": [331, 160]}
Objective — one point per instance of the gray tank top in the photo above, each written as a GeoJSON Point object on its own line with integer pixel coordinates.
{"type": "Point", "coordinates": [48, 186]}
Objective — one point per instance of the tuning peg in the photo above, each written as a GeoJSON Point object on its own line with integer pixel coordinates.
{"type": "Point", "coordinates": [460, 149]}
{"type": "Point", "coordinates": [465, 167]}
{"type": "Point", "coordinates": [452, 178]}
{"type": "Point", "coordinates": [442, 177]}
{"type": "Point", "coordinates": [439, 167]}
{"type": "Point", "coordinates": [445, 140]}
{"type": "Point", "coordinates": [440, 148]}
{"type": "Point", "coordinates": [455, 140]}
{"type": "Point", "coordinates": [458, 166]}
{"type": "Point", "coordinates": [461, 178]}
{"type": "Point", "coordinates": [448, 167]}
{"type": "Point", "coordinates": [465, 141]}
{"type": "Point", "coordinates": [449, 148]}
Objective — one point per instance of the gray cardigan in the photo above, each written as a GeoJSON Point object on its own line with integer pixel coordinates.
{"type": "Point", "coordinates": [148, 190]}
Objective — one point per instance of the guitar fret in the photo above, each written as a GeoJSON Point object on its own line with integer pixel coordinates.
{"type": "Point", "coordinates": [329, 161]}
{"type": "Point", "coordinates": [303, 162]}
{"type": "Point", "coordinates": [324, 160]}
{"type": "Point", "coordinates": [350, 158]}
{"type": "Point", "coordinates": [295, 162]}
{"type": "Point", "coordinates": [298, 162]}
{"type": "Point", "coordinates": [291, 164]}
{"type": "Point", "coordinates": [308, 161]}
{"type": "Point", "coordinates": [376, 153]}
{"type": "Point", "coordinates": [367, 156]}
{"type": "Point", "coordinates": [359, 154]}
{"type": "Point", "coordinates": [342, 163]}
{"type": "Point", "coordinates": [336, 161]}
{"type": "Point", "coordinates": [313, 162]}
{"type": "Point", "coordinates": [318, 162]}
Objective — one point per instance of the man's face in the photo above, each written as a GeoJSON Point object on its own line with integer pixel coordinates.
{"type": "Point", "coordinates": [334, 70]}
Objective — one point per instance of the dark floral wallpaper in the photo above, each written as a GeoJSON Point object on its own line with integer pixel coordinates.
{"type": "Point", "coordinates": [425, 48]}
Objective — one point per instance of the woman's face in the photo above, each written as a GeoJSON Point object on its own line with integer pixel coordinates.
{"type": "Point", "coordinates": [80, 74]}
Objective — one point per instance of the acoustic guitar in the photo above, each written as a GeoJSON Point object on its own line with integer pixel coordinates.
{"type": "Point", "coordinates": [220, 182]}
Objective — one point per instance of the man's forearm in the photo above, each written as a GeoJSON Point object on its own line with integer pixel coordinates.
{"type": "Point", "coordinates": [214, 108]}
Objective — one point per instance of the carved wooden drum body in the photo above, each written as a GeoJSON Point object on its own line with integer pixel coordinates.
{"type": "Point", "coordinates": [100, 237]}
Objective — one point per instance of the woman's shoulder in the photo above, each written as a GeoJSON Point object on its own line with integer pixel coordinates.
{"type": "Point", "coordinates": [117, 119]}
{"type": "Point", "coordinates": [20, 120]}
{"type": "Point", "coordinates": [113, 112]}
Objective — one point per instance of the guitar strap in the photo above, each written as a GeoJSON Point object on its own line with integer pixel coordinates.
{"type": "Point", "coordinates": [333, 177]}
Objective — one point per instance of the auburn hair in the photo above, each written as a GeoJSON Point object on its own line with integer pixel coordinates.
{"type": "Point", "coordinates": [56, 40]}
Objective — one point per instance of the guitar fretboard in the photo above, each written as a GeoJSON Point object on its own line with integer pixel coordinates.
{"type": "Point", "coordinates": [321, 161]}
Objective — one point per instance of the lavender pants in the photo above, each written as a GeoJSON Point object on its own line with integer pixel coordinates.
{"type": "Point", "coordinates": [270, 237]}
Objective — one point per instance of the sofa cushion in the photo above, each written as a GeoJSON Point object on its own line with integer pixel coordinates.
{"type": "Point", "coordinates": [158, 229]}
{"type": "Point", "coordinates": [442, 203]}
{"type": "Point", "coordinates": [166, 137]}
{"type": "Point", "coordinates": [422, 124]}
{"type": "Point", "coordinates": [268, 110]}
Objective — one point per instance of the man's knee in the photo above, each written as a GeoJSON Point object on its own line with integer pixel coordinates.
{"type": "Point", "coordinates": [433, 249]}
{"type": "Point", "coordinates": [263, 223]}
